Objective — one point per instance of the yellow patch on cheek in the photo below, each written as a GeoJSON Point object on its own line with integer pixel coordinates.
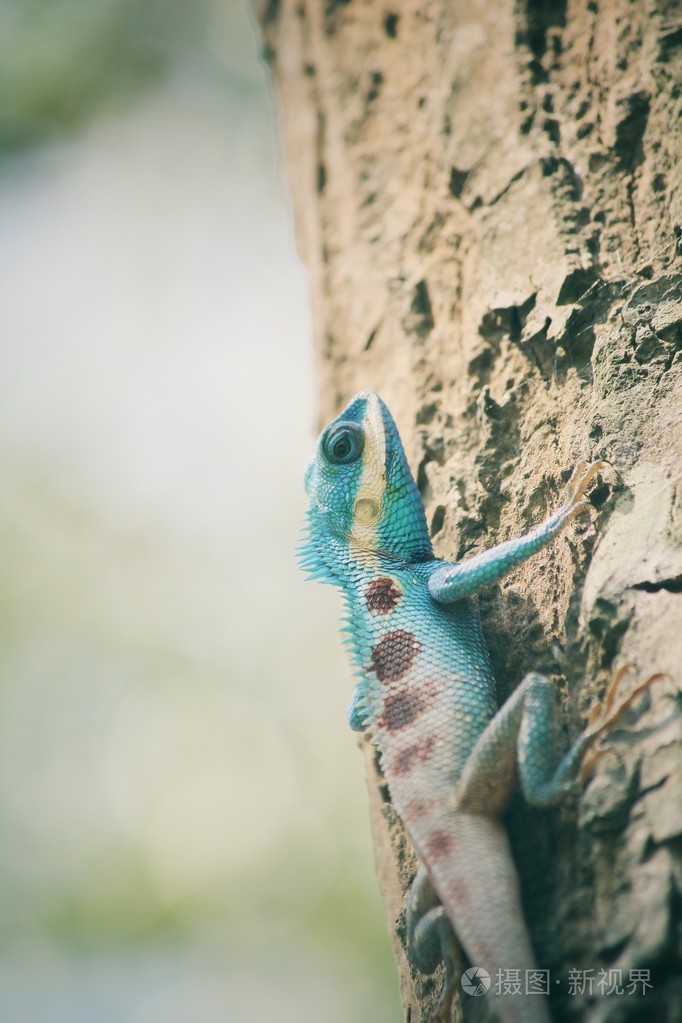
{"type": "Point", "coordinates": [372, 484]}
{"type": "Point", "coordinates": [366, 510]}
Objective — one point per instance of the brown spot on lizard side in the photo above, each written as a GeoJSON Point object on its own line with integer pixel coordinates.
{"type": "Point", "coordinates": [382, 595]}
{"type": "Point", "coordinates": [461, 892]}
{"type": "Point", "coordinates": [411, 755]}
{"type": "Point", "coordinates": [400, 709]}
{"type": "Point", "coordinates": [439, 843]}
{"type": "Point", "coordinates": [394, 655]}
{"type": "Point", "coordinates": [417, 808]}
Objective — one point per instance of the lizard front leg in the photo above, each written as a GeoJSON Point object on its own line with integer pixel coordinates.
{"type": "Point", "coordinates": [456, 580]}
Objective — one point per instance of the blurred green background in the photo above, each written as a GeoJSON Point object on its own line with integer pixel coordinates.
{"type": "Point", "coordinates": [183, 823]}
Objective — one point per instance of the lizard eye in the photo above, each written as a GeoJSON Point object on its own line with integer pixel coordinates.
{"type": "Point", "coordinates": [343, 443]}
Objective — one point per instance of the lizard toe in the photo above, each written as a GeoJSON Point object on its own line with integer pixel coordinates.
{"type": "Point", "coordinates": [607, 713]}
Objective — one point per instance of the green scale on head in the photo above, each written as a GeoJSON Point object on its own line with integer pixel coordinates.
{"type": "Point", "coordinates": [363, 498]}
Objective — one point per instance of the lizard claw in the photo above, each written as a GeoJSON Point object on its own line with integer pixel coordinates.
{"type": "Point", "coordinates": [592, 758]}
{"type": "Point", "coordinates": [604, 715]}
{"type": "Point", "coordinates": [582, 476]}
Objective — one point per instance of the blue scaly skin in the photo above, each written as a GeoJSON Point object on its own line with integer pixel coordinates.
{"type": "Point", "coordinates": [426, 695]}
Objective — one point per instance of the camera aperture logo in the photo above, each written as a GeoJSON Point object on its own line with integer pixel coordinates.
{"type": "Point", "coordinates": [475, 981]}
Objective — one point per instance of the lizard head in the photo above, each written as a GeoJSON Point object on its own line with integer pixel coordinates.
{"type": "Point", "coordinates": [360, 486]}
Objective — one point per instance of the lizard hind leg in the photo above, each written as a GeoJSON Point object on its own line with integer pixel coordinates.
{"type": "Point", "coordinates": [523, 739]}
{"type": "Point", "coordinates": [431, 941]}
{"type": "Point", "coordinates": [543, 779]}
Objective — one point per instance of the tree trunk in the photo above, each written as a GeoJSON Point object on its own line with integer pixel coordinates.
{"type": "Point", "coordinates": [488, 196]}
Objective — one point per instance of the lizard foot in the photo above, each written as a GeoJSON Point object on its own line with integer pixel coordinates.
{"type": "Point", "coordinates": [607, 713]}
{"type": "Point", "coordinates": [454, 968]}
{"type": "Point", "coordinates": [431, 940]}
{"type": "Point", "coordinates": [443, 1012]}
{"type": "Point", "coordinates": [582, 476]}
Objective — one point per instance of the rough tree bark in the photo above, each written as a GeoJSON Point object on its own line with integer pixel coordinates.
{"type": "Point", "coordinates": [488, 196]}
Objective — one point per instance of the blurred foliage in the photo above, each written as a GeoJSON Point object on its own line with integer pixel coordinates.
{"type": "Point", "coordinates": [184, 824]}
{"type": "Point", "coordinates": [64, 61]}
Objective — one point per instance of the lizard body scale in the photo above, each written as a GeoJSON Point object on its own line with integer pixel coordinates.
{"type": "Point", "coordinates": [426, 693]}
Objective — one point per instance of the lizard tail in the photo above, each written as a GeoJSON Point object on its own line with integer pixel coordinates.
{"type": "Point", "coordinates": [469, 861]}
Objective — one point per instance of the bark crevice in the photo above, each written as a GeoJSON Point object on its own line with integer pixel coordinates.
{"type": "Point", "coordinates": [489, 199]}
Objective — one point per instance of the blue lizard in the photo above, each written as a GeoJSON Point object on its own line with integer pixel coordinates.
{"type": "Point", "coordinates": [426, 695]}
